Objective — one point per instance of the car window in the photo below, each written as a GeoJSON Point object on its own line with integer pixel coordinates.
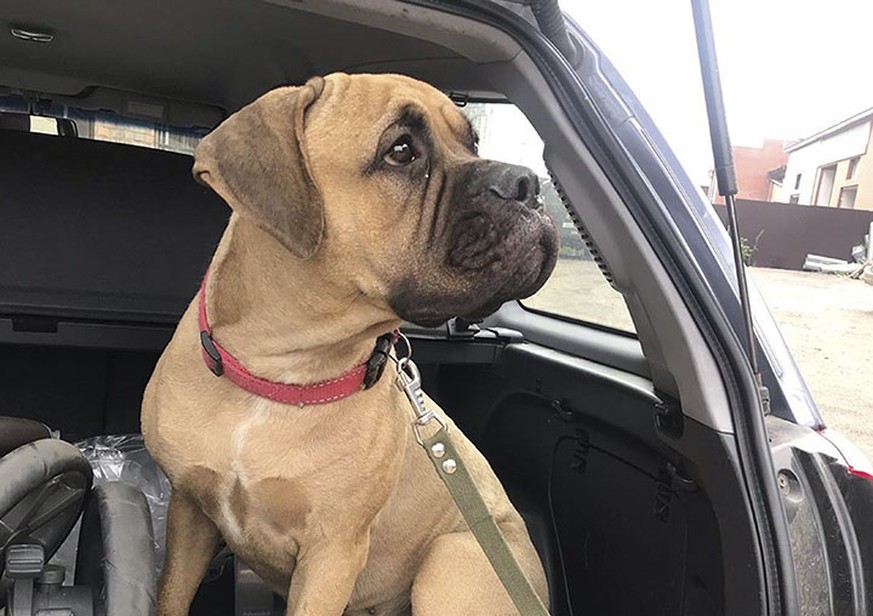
{"type": "Point", "coordinates": [64, 121]}
{"type": "Point", "coordinates": [117, 129]}
{"type": "Point", "coordinates": [576, 289]}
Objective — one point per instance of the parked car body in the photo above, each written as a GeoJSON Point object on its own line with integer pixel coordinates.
{"type": "Point", "coordinates": [652, 478]}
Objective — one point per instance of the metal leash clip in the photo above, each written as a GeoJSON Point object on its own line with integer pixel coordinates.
{"type": "Point", "coordinates": [409, 381]}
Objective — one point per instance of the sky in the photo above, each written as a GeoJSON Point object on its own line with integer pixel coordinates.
{"type": "Point", "coordinates": [789, 68]}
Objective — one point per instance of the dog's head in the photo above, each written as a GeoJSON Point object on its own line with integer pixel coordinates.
{"type": "Point", "coordinates": [375, 179]}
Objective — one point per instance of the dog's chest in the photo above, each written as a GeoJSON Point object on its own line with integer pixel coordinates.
{"type": "Point", "coordinates": [265, 492]}
{"type": "Point", "coordinates": [287, 479]}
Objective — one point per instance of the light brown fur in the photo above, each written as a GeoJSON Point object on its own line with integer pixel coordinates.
{"type": "Point", "coordinates": [339, 495]}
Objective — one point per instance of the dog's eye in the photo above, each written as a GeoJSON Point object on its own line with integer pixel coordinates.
{"type": "Point", "coordinates": [401, 152]}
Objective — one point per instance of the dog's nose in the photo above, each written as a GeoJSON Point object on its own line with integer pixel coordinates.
{"type": "Point", "coordinates": [517, 183]}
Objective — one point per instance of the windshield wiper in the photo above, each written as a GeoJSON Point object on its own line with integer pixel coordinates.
{"type": "Point", "coordinates": [725, 173]}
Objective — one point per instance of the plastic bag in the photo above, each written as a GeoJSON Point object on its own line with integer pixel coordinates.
{"type": "Point", "coordinates": [123, 457]}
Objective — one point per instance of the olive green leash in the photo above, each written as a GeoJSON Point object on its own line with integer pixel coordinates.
{"type": "Point", "coordinates": [451, 469]}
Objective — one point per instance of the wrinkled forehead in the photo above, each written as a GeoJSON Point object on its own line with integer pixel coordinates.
{"type": "Point", "coordinates": [361, 107]}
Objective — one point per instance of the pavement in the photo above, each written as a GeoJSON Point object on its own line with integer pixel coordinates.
{"type": "Point", "coordinates": [827, 321]}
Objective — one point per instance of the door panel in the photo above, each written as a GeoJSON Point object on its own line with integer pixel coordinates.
{"type": "Point", "coordinates": [621, 523]}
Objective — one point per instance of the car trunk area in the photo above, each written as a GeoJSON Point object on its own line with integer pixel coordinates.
{"type": "Point", "coordinates": [80, 392]}
{"type": "Point", "coordinates": [618, 527]}
{"type": "Point", "coordinates": [102, 246]}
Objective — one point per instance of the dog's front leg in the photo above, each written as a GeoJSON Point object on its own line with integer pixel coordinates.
{"type": "Point", "coordinates": [191, 540]}
{"type": "Point", "coordinates": [325, 577]}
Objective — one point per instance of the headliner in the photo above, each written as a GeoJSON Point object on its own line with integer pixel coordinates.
{"type": "Point", "coordinates": [202, 58]}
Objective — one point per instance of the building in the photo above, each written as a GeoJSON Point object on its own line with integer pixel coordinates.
{"type": "Point", "coordinates": [833, 167]}
{"type": "Point", "coordinates": [759, 171]}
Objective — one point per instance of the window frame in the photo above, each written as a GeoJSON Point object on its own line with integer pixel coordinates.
{"type": "Point", "coordinates": [844, 189]}
{"type": "Point", "coordinates": [576, 321]}
{"type": "Point", "coordinates": [818, 184]}
{"type": "Point", "coordinates": [852, 169]}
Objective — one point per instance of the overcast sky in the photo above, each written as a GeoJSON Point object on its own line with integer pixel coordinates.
{"type": "Point", "coordinates": [789, 67]}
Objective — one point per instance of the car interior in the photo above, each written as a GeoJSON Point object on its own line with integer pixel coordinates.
{"type": "Point", "coordinates": [616, 448]}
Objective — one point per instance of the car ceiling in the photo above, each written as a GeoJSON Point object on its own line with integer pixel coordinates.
{"type": "Point", "coordinates": [205, 54]}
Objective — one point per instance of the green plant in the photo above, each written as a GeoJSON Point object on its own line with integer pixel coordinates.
{"type": "Point", "coordinates": [748, 250]}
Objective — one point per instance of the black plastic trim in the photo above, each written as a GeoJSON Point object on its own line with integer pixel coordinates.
{"type": "Point", "coordinates": [91, 334]}
{"type": "Point", "coordinates": [603, 347]}
{"type": "Point", "coordinates": [845, 564]}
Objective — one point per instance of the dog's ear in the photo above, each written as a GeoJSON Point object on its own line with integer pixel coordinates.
{"type": "Point", "coordinates": [255, 160]}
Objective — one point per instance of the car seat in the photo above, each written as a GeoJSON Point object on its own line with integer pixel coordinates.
{"type": "Point", "coordinates": [45, 486]}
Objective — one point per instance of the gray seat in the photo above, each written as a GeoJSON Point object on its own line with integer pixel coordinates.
{"type": "Point", "coordinates": [17, 431]}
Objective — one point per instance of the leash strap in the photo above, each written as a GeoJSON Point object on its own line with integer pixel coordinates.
{"type": "Point", "coordinates": [451, 469]}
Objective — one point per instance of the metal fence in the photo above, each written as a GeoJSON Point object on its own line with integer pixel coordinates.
{"type": "Point", "coordinates": [782, 234]}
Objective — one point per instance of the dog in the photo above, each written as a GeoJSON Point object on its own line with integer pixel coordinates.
{"type": "Point", "coordinates": [357, 202]}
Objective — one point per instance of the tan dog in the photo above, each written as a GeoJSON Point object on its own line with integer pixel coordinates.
{"type": "Point", "coordinates": [358, 201]}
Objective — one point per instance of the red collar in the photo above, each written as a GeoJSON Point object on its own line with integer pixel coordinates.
{"type": "Point", "coordinates": [222, 363]}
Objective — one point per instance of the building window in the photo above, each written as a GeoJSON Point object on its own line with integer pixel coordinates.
{"type": "Point", "coordinates": [826, 177]}
{"type": "Point", "coordinates": [847, 197]}
{"type": "Point", "coordinates": [797, 181]}
{"type": "Point", "coordinates": [795, 198]}
{"type": "Point", "coordinates": [853, 168]}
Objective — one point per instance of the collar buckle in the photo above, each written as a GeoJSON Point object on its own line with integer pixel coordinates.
{"type": "Point", "coordinates": [378, 359]}
{"type": "Point", "coordinates": [211, 354]}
